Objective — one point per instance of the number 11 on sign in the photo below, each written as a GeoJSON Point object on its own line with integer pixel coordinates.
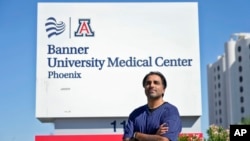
{"type": "Point", "coordinates": [114, 123]}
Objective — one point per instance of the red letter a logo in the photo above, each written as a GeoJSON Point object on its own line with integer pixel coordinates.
{"type": "Point", "coordinates": [84, 28]}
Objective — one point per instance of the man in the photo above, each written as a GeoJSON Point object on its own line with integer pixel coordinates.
{"type": "Point", "coordinates": [157, 120]}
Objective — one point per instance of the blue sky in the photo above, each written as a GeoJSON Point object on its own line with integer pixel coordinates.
{"type": "Point", "coordinates": [217, 21]}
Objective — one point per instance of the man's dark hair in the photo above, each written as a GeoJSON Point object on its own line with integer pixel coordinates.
{"type": "Point", "coordinates": [163, 79]}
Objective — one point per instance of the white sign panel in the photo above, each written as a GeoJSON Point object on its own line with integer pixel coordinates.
{"type": "Point", "coordinates": [92, 57]}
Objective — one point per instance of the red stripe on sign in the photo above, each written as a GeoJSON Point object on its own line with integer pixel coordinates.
{"type": "Point", "coordinates": [116, 137]}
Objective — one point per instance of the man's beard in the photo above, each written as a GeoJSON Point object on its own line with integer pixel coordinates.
{"type": "Point", "coordinates": [150, 96]}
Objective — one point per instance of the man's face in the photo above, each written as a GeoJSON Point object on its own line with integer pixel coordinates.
{"type": "Point", "coordinates": [154, 87]}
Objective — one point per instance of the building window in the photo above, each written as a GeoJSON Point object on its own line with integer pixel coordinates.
{"type": "Point", "coordinates": [220, 111]}
{"type": "Point", "coordinates": [215, 87]}
{"type": "Point", "coordinates": [218, 85]}
{"type": "Point", "coordinates": [242, 110]}
{"type": "Point", "coordinates": [220, 120]}
{"type": "Point", "coordinates": [219, 102]}
{"type": "Point", "coordinates": [239, 58]}
{"type": "Point", "coordinates": [239, 48]}
{"type": "Point", "coordinates": [218, 76]}
{"type": "Point", "coordinates": [240, 68]}
{"type": "Point", "coordinates": [241, 99]}
{"type": "Point", "coordinates": [219, 94]}
{"type": "Point", "coordinates": [241, 89]}
{"type": "Point", "coordinates": [240, 78]}
{"type": "Point", "coordinates": [218, 68]}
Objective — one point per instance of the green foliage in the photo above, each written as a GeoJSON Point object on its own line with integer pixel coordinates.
{"type": "Point", "coordinates": [217, 133]}
{"type": "Point", "coordinates": [183, 138]}
{"type": "Point", "coordinates": [245, 121]}
{"type": "Point", "coordinates": [189, 137]}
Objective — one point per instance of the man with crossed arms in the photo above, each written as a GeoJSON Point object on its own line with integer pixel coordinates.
{"type": "Point", "coordinates": [158, 120]}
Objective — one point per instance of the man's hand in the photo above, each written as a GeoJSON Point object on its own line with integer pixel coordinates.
{"type": "Point", "coordinates": [162, 129]}
{"type": "Point", "coordinates": [145, 137]}
{"type": "Point", "coordinates": [127, 139]}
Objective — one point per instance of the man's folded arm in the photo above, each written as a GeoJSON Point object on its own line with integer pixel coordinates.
{"type": "Point", "coordinates": [146, 137]}
{"type": "Point", "coordinates": [128, 139]}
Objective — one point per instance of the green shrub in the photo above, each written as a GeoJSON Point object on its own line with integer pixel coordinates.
{"type": "Point", "coordinates": [189, 137]}
{"type": "Point", "coordinates": [217, 133]}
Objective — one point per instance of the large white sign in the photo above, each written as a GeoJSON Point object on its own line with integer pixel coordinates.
{"type": "Point", "coordinates": [92, 57]}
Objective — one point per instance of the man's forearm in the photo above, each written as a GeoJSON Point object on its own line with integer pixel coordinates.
{"type": "Point", "coordinates": [147, 137]}
{"type": "Point", "coordinates": [128, 139]}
